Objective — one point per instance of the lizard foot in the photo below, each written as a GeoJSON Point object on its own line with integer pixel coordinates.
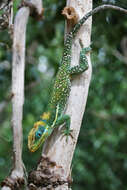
{"type": "Point", "coordinates": [67, 133]}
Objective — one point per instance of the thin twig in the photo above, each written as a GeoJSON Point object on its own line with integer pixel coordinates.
{"type": "Point", "coordinates": [101, 8]}
{"type": "Point", "coordinates": [119, 56]}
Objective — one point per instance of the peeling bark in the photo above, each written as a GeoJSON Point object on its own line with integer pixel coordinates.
{"type": "Point", "coordinates": [71, 16]}
{"type": "Point", "coordinates": [49, 175]}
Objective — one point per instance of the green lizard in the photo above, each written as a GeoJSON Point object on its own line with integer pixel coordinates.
{"type": "Point", "coordinates": [54, 116]}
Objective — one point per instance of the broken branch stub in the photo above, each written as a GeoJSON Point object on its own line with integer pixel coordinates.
{"type": "Point", "coordinates": [35, 6]}
{"type": "Point", "coordinates": [70, 14]}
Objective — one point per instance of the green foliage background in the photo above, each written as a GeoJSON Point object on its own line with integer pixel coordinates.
{"type": "Point", "coordinates": [100, 160]}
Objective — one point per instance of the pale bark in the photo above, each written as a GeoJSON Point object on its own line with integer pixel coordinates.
{"type": "Point", "coordinates": [18, 83]}
{"type": "Point", "coordinates": [18, 65]}
{"type": "Point", "coordinates": [36, 4]}
{"type": "Point", "coordinates": [57, 148]}
{"type": "Point", "coordinates": [61, 151]}
{"type": "Point", "coordinates": [16, 178]}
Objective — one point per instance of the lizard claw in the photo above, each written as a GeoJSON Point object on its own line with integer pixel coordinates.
{"type": "Point", "coordinates": [67, 133]}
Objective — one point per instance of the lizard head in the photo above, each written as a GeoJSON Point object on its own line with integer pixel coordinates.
{"type": "Point", "coordinates": [38, 135]}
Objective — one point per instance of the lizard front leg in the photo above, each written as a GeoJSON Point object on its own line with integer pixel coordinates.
{"type": "Point", "coordinates": [64, 119]}
{"type": "Point", "coordinates": [83, 65]}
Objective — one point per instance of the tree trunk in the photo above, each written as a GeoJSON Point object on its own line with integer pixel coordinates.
{"type": "Point", "coordinates": [18, 64]}
{"type": "Point", "coordinates": [54, 166]}
{"type": "Point", "coordinates": [16, 179]}
{"type": "Point", "coordinates": [59, 150]}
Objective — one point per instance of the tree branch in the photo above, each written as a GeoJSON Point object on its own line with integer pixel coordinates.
{"type": "Point", "coordinates": [119, 56]}
{"type": "Point", "coordinates": [16, 178]}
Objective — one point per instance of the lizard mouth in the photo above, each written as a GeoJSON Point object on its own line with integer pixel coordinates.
{"type": "Point", "coordinates": [35, 145]}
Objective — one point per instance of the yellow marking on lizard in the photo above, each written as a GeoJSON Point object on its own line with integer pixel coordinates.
{"type": "Point", "coordinates": [46, 115]}
{"type": "Point", "coordinates": [57, 110]}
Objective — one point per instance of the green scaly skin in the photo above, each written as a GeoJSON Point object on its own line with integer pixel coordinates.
{"type": "Point", "coordinates": [54, 116]}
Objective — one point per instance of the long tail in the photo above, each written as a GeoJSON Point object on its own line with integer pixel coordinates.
{"type": "Point", "coordinates": [73, 32]}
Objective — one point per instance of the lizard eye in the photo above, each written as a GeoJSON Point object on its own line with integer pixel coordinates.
{"type": "Point", "coordinates": [39, 132]}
